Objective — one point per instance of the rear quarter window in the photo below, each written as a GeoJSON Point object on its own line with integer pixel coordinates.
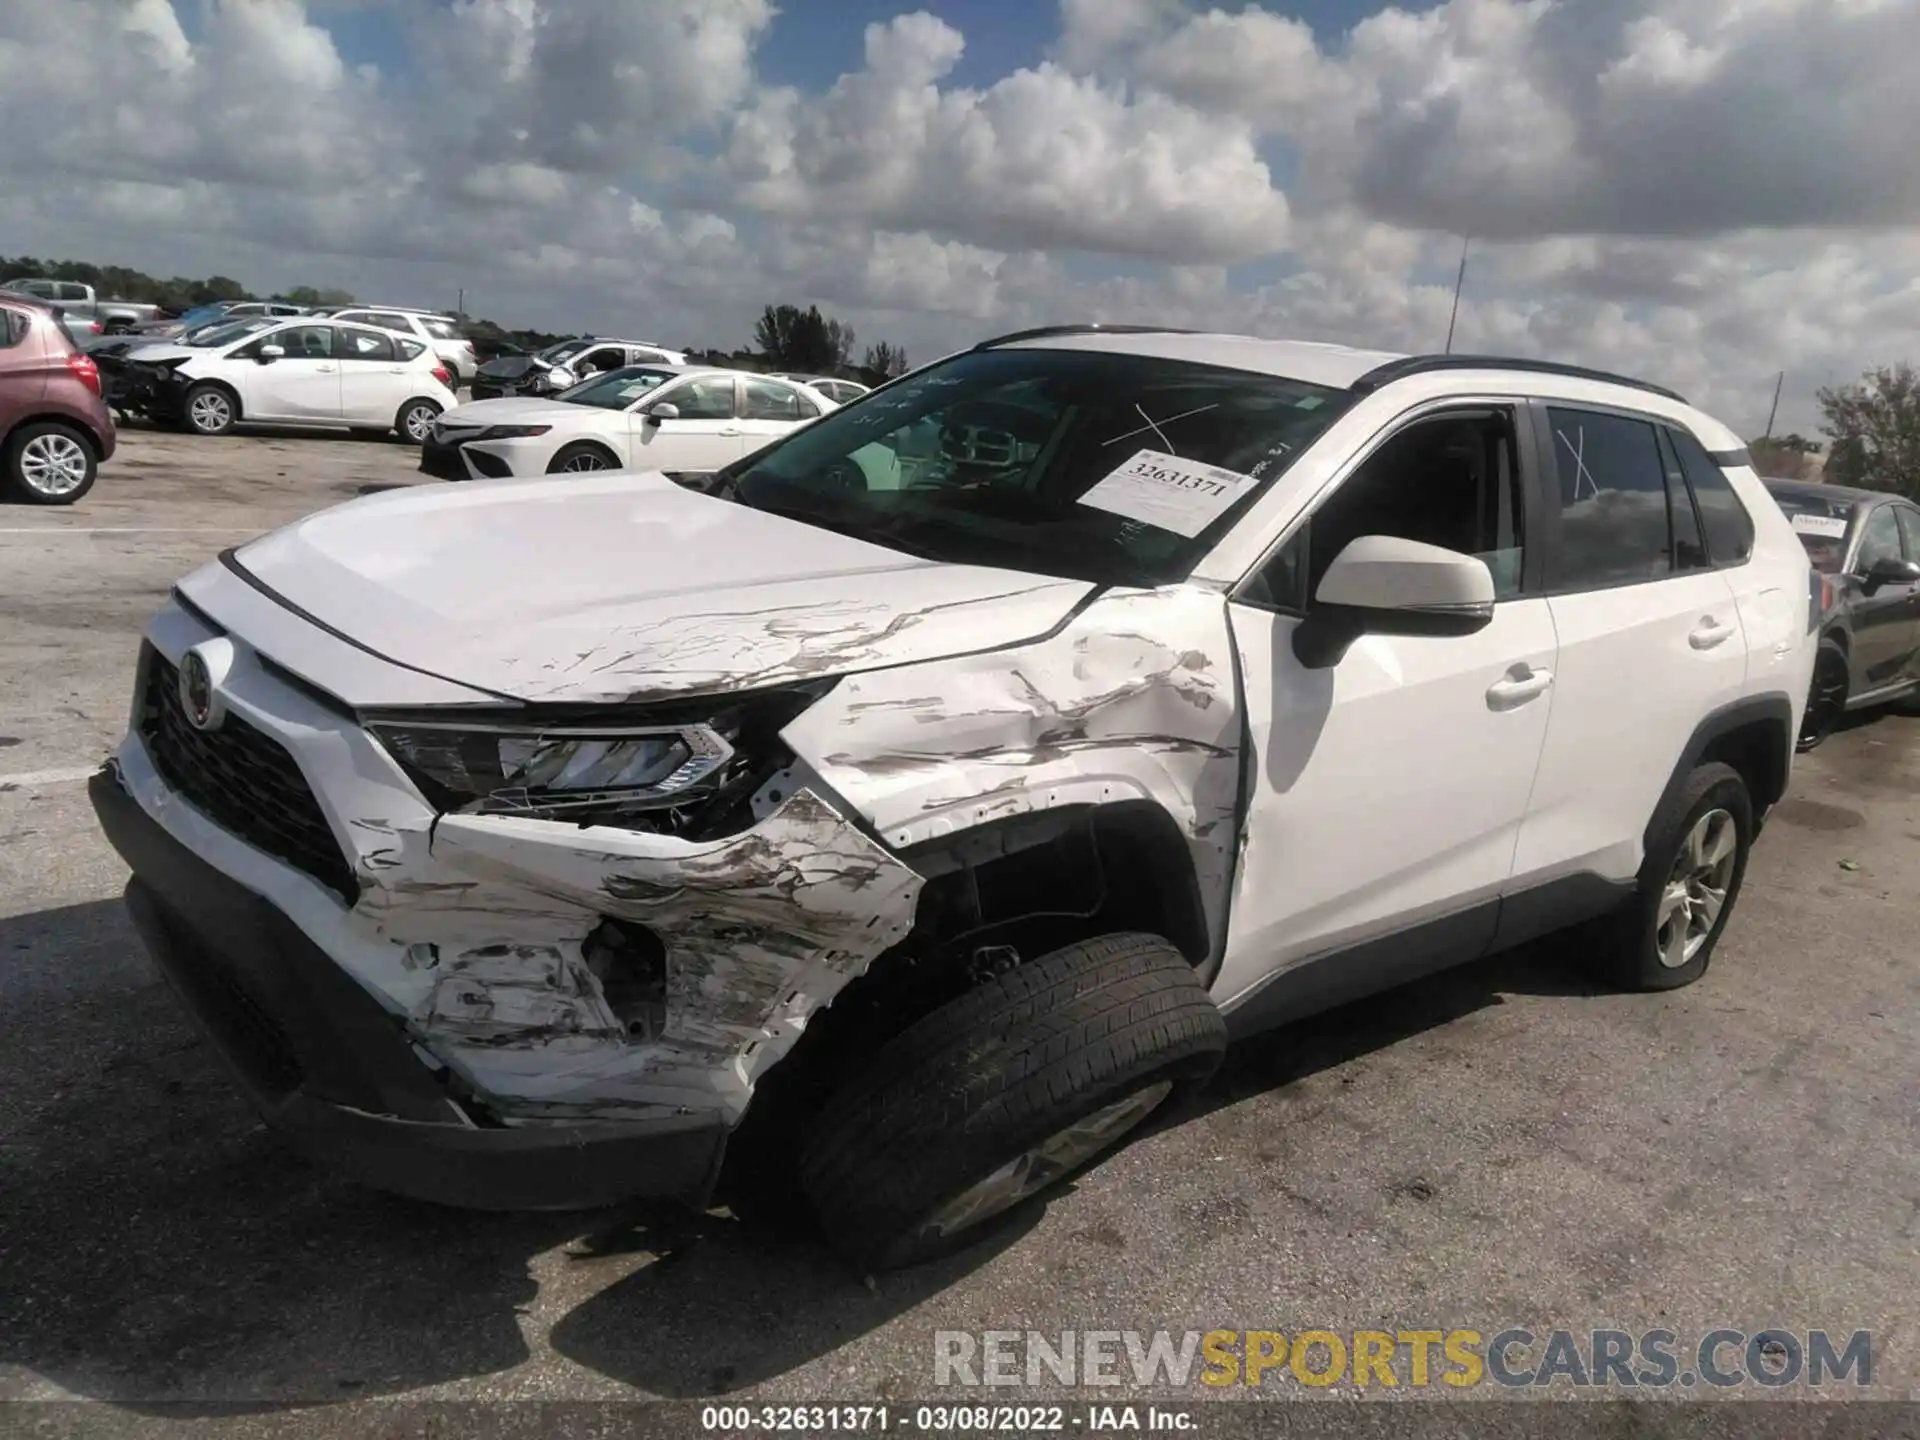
{"type": "Point", "coordinates": [1728, 526]}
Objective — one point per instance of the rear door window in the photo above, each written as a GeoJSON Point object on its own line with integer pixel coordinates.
{"type": "Point", "coordinates": [1616, 524]}
{"type": "Point", "coordinates": [1909, 530]}
{"type": "Point", "coordinates": [1879, 540]}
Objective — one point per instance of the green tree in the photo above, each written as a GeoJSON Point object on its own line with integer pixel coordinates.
{"type": "Point", "coordinates": [885, 360]}
{"type": "Point", "coordinates": [803, 340]}
{"type": "Point", "coordinates": [1875, 427]}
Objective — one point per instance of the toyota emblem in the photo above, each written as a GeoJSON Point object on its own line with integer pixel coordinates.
{"type": "Point", "coordinates": [196, 691]}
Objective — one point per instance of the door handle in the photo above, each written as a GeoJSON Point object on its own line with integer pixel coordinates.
{"type": "Point", "coordinates": [729, 432]}
{"type": "Point", "coordinates": [323, 369]}
{"type": "Point", "coordinates": [1708, 633]}
{"type": "Point", "coordinates": [1522, 683]}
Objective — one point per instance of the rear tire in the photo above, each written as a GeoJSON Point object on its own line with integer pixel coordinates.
{"type": "Point", "coordinates": [415, 420]}
{"type": "Point", "coordinates": [992, 1098]}
{"type": "Point", "coordinates": [48, 463]}
{"type": "Point", "coordinates": [1827, 697]}
{"type": "Point", "coordinates": [580, 458]}
{"type": "Point", "coordinates": [1690, 880]}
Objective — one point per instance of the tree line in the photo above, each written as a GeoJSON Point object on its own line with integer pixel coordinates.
{"type": "Point", "coordinates": [1873, 430]}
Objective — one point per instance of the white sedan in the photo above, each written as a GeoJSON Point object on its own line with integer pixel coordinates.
{"type": "Point", "coordinates": [641, 417]}
{"type": "Point", "coordinates": [303, 371]}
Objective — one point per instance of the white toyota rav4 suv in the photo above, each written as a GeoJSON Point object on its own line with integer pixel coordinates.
{"type": "Point", "coordinates": [907, 810]}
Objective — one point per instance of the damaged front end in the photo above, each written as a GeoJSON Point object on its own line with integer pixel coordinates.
{"type": "Point", "coordinates": [484, 960]}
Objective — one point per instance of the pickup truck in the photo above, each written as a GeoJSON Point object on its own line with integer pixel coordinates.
{"type": "Point", "coordinates": [79, 302]}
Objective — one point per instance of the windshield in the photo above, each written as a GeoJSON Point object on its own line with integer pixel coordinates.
{"type": "Point", "coordinates": [564, 351]}
{"type": "Point", "coordinates": [617, 389]}
{"type": "Point", "coordinates": [1821, 523]}
{"type": "Point", "coordinates": [227, 334]}
{"type": "Point", "coordinates": [1121, 469]}
{"type": "Point", "coordinates": [201, 315]}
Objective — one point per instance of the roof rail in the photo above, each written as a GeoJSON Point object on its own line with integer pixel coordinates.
{"type": "Point", "coordinates": [1044, 332]}
{"type": "Point", "coordinates": [1424, 364]}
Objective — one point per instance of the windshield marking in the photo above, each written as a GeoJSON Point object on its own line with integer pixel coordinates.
{"type": "Point", "coordinates": [1150, 425]}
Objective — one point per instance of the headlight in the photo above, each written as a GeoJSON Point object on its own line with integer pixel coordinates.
{"type": "Point", "coordinates": [558, 772]}
{"type": "Point", "coordinates": [511, 432]}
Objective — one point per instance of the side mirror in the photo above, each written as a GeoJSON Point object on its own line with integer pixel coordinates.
{"type": "Point", "coordinates": [1383, 585]}
{"type": "Point", "coordinates": [665, 410]}
{"type": "Point", "coordinates": [271, 353]}
{"type": "Point", "coordinates": [1890, 570]}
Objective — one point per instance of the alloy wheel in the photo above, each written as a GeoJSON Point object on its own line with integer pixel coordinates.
{"type": "Point", "coordinates": [53, 465]}
{"type": "Point", "coordinates": [586, 460]}
{"type": "Point", "coordinates": [210, 412]}
{"type": "Point", "coordinates": [1696, 888]}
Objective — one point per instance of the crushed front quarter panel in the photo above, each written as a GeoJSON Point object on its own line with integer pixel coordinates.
{"type": "Point", "coordinates": [470, 928]}
{"type": "Point", "coordinates": [1133, 698]}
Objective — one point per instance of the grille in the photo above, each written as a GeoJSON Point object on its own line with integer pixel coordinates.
{"type": "Point", "coordinates": [254, 1038]}
{"type": "Point", "coordinates": [243, 781]}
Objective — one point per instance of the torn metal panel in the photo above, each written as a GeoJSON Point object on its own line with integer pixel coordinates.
{"type": "Point", "coordinates": [758, 931]}
{"type": "Point", "coordinates": [1135, 698]}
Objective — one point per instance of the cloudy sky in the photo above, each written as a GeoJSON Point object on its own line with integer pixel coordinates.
{"type": "Point", "coordinates": [1704, 192]}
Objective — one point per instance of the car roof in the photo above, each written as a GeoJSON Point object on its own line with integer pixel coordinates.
{"type": "Point", "coordinates": [1341, 367]}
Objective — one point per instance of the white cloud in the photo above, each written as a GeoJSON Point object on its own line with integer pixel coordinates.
{"type": "Point", "coordinates": [1042, 157]}
{"type": "Point", "coordinates": [1702, 191]}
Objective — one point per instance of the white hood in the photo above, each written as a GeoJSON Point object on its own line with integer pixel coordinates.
{"type": "Point", "coordinates": [613, 586]}
{"type": "Point", "coordinates": [516, 410]}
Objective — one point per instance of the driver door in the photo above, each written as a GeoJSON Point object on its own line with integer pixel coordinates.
{"type": "Point", "coordinates": [1386, 791]}
{"type": "Point", "coordinates": [302, 384]}
{"type": "Point", "coordinates": [705, 433]}
{"type": "Point", "coordinates": [1883, 622]}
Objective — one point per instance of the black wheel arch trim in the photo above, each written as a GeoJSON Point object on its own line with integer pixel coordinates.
{"type": "Point", "coordinates": [1773, 710]}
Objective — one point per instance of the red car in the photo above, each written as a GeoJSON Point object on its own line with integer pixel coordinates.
{"type": "Point", "coordinates": [54, 425]}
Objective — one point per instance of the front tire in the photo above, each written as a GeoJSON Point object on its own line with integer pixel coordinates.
{"type": "Point", "coordinates": [581, 458]}
{"type": "Point", "coordinates": [1696, 859]}
{"type": "Point", "coordinates": [1827, 698]}
{"type": "Point", "coordinates": [210, 409]}
{"type": "Point", "coordinates": [48, 464]}
{"type": "Point", "coordinates": [996, 1095]}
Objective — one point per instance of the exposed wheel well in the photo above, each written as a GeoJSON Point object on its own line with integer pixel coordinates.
{"type": "Point", "coordinates": [996, 897]}
{"type": "Point", "coordinates": [1758, 750]}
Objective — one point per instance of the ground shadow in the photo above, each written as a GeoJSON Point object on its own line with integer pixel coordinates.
{"type": "Point", "coordinates": [157, 1245]}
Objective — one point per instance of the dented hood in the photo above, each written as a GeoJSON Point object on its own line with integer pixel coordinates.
{"type": "Point", "coordinates": [618, 586]}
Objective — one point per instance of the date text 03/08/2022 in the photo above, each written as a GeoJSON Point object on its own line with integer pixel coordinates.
{"type": "Point", "coordinates": [946, 1419]}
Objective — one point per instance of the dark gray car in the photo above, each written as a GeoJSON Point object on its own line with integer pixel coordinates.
{"type": "Point", "coordinates": [1865, 549]}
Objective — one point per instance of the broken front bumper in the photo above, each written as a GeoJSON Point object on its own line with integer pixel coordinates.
{"type": "Point", "coordinates": [421, 998]}
{"type": "Point", "coordinates": [334, 1074]}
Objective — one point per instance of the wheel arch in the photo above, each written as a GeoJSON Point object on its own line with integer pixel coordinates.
{"type": "Point", "coordinates": [220, 383]}
{"type": "Point", "coordinates": [55, 417]}
{"type": "Point", "coordinates": [1754, 735]}
{"type": "Point", "coordinates": [585, 442]}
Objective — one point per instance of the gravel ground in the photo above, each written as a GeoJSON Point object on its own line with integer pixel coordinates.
{"type": "Point", "coordinates": [1507, 1144]}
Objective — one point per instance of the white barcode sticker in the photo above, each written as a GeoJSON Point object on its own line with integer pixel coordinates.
{"type": "Point", "coordinates": [1184, 496]}
{"type": "Point", "coordinates": [1833, 527]}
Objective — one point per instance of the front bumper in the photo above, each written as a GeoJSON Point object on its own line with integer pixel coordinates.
{"type": "Point", "coordinates": [281, 855]}
{"type": "Point", "coordinates": [334, 1073]}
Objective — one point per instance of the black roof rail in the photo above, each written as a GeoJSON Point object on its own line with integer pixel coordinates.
{"type": "Point", "coordinates": [1044, 332]}
{"type": "Point", "coordinates": [1424, 364]}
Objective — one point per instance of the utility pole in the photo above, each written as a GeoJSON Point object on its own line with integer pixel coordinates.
{"type": "Point", "coordinates": [1459, 281]}
{"type": "Point", "coordinates": [460, 305]}
{"type": "Point", "coordinates": [1771, 414]}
